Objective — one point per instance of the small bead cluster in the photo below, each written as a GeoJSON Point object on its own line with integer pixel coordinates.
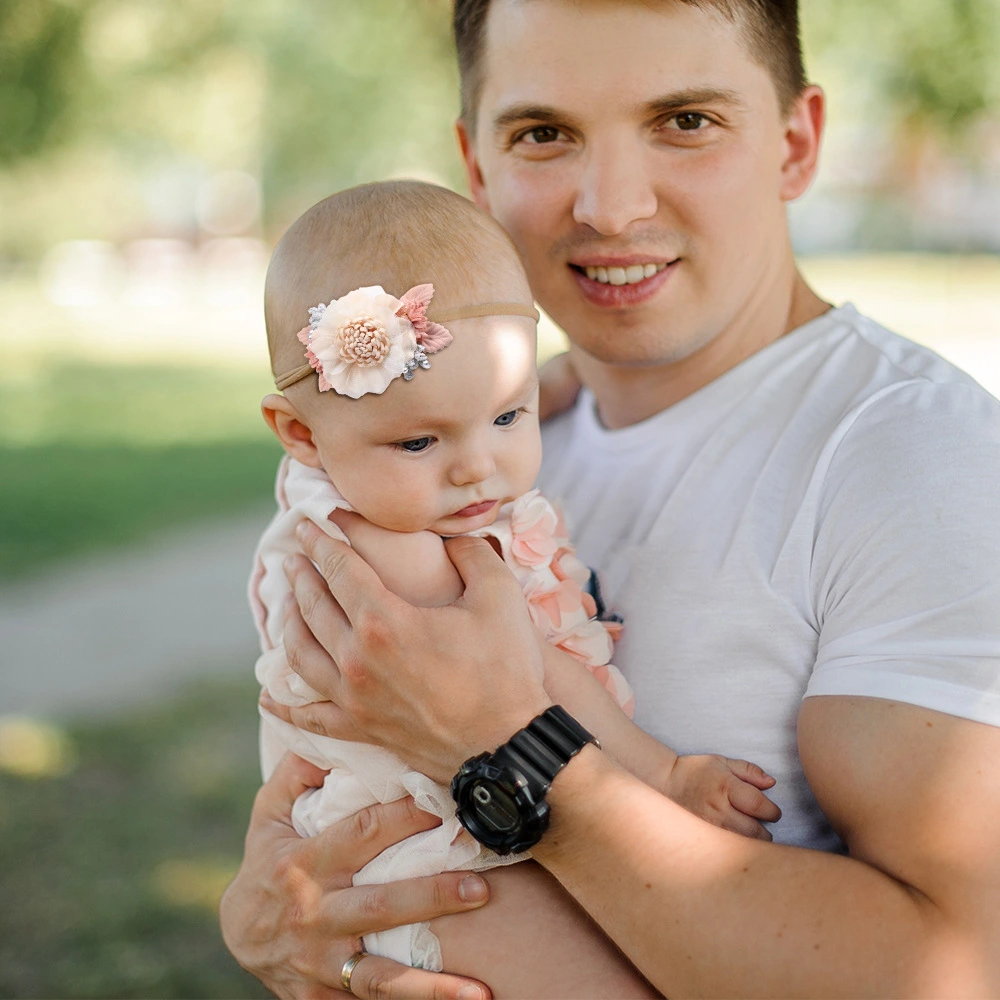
{"type": "Point", "coordinates": [419, 359]}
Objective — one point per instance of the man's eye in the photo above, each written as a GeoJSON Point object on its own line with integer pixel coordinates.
{"type": "Point", "coordinates": [542, 134]}
{"type": "Point", "coordinates": [506, 419]}
{"type": "Point", "coordinates": [417, 444]}
{"type": "Point", "coordinates": [690, 121]}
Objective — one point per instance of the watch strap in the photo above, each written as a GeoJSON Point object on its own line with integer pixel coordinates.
{"type": "Point", "coordinates": [546, 745]}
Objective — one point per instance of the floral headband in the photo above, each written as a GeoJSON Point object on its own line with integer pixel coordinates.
{"type": "Point", "coordinates": [364, 340]}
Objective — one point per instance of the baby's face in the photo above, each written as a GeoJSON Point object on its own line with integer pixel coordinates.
{"type": "Point", "coordinates": [444, 451]}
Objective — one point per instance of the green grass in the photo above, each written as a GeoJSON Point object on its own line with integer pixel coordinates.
{"type": "Point", "coordinates": [99, 456]}
{"type": "Point", "coordinates": [109, 874]}
{"type": "Point", "coordinates": [58, 500]}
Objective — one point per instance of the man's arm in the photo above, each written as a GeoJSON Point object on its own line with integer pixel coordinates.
{"type": "Point", "coordinates": [699, 910]}
{"type": "Point", "coordinates": [912, 912]}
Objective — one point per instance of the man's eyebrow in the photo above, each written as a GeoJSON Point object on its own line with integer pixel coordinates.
{"type": "Point", "coordinates": [697, 95]}
{"type": "Point", "coordinates": [545, 114]}
{"type": "Point", "coordinates": [541, 113]}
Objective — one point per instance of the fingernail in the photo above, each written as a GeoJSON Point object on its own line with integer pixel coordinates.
{"type": "Point", "coordinates": [472, 889]}
{"type": "Point", "coordinates": [469, 992]}
{"type": "Point", "coordinates": [290, 564]}
{"type": "Point", "coordinates": [303, 530]}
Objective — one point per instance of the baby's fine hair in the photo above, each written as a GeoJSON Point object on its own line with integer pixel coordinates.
{"type": "Point", "coordinates": [396, 234]}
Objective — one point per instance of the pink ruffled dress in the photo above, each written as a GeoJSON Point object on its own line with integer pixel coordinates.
{"type": "Point", "coordinates": [535, 547]}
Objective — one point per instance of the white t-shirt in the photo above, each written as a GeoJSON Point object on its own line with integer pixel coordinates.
{"type": "Point", "coordinates": [820, 520]}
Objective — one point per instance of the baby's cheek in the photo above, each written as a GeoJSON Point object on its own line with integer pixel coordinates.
{"type": "Point", "coordinates": [403, 506]}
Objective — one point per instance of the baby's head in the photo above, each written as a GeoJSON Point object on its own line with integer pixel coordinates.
{"type": "Point", "coordinates": [444, 447]}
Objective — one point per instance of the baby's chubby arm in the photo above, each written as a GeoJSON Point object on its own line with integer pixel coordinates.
{"type": "Point", "coordinates": [727, 793]}
{"type": "Point", "coordinates": [413, 565]}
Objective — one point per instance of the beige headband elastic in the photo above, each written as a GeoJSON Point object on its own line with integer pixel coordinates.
{"type": "Point", "coordinates": [447, 315]}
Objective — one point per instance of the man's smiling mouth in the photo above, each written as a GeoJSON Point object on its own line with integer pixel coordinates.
{"type": "Point", "coordinates": [630, 275]}
{"type": "Point", "coordinates": [618, 282]}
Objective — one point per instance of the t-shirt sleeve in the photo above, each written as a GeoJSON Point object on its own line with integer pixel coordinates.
{"type": "Point", "coordinates": [906, 561]}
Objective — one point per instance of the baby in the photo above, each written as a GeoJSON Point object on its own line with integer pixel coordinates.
{"type": "Point", "coordinates": [402, 333]}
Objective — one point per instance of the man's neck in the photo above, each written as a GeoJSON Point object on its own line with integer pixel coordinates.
{"type": "Point", "coordinates": [627, 396]}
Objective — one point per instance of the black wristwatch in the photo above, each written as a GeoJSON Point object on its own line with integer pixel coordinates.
{"type": "Point", "coordinates": [500, 796]}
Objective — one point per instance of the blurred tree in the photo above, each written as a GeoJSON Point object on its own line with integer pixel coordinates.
{"type": "Point", "coordinates": [40, 67]}
{"type": "Point", "coordinates": [936, 63]}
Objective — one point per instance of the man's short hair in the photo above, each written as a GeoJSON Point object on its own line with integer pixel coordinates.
{"type": "Point", "coordinates": [770, 28]}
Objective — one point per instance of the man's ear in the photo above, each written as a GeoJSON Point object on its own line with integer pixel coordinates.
{"type": "Point", "coordinates": [803, 132]}
{"type": "Point", "coordinates": [293, 433]}
{"type": "Point", "coordinates": [477, 187]}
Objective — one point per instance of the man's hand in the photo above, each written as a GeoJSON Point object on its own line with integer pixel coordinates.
{"type": "Point", "coordinates": [558, 386]}
{"type": "Point", "coordinates": [434, 685]}
{"type": "Point", "coordinates": [292, 916]}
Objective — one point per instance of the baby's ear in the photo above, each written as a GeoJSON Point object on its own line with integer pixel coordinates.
{"type": "Point", "coordinates": [290, 429]}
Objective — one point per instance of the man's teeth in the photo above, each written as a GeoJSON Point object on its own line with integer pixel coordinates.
{"type": "Point", "coordinates": [623, 275]}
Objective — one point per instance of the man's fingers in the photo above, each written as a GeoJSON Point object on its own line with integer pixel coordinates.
{"type": "Point", "coordinates": [371, 908]}
{"type": "Point", "coordinates": [349, 844]}
{"type": "Point", "coordinates": [477, 564]}
{"type": "Point", "coordinates": [377, 978]}
{"type": "Point", "coordinates": [326, 719]}
{"type": "Point", "coordinates": [311, 592]}
{"type": "Point", "coordinates": [751, 773]}
{"type": "Point", "coordinates": [354, 585]}
{"type": "Point", "coordinates": [306, 656]}
{"type": "Point", "coordinates": [290, 779]}
{"type": "Point", "coordinates": [323, 718]}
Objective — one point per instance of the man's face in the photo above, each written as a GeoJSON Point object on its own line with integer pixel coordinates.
{"type": "Point", "coordinates": [636, 155]}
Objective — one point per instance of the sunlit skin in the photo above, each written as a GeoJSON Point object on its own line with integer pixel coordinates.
{"type": "Point", "coordinates": [625, 134]}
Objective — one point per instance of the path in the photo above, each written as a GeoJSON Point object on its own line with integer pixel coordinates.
{"type": "Point", "coordinates": [105, 632]}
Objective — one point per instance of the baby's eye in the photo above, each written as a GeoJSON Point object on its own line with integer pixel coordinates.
{"type": "Point", "coordinates": [506, 419]}
{"type": "Point", "coordinates": [417, 444]}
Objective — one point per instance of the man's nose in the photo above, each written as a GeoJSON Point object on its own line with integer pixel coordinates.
{"type": "Point", "coordinates": [615, 189]}
{"type": "Point", "coordinates": [472, 465]}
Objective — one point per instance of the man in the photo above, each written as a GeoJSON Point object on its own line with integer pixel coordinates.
{"type": "Point", "coordinates": [784, 500]}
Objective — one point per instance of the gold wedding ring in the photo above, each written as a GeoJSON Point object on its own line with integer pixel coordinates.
{"type": "Point", "coordinates": [347, 969]}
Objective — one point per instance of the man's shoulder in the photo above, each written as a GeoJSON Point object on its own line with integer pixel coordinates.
{"type": "Point", "coordinates": [904, 358]}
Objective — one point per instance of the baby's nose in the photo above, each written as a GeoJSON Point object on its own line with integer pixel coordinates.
{"type": "Point", "coordinates": [472, 466]}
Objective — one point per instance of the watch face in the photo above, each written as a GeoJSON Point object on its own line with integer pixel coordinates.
{"type": "Point", "coordinates": [495, 807]}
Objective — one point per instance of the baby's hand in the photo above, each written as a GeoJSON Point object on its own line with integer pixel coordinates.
{"type": "Point", "coordinates": [558, 386]}
{"type": "Point", "coordinates": [724, 792]}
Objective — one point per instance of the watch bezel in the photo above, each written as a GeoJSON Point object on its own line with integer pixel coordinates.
{"type": "Point", "coordinates": [523, 768]}
{"type": "Point", "coordinates": [533, 813]}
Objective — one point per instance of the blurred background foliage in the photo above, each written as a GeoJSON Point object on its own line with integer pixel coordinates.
{"type": "Point", "coordinates": [113, 111]}
{"type": "Point", "coordinates": [151, 152]}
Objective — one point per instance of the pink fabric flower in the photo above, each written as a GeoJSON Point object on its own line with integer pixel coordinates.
{"type": "Point", "coordinates": [551, 610]}
{"type": "Point", "coordinates": [362, 341]}
{"type": "Point", "coordinates": [567, 566]}
{"type": "Point", "coordinates": [358, 344]}
{"type": "Point", "coordinates": [590, 644]}
{"type": "Point", "coordinates": [413, 305]}
{"type": "Point", "coordinates": [533, 524]}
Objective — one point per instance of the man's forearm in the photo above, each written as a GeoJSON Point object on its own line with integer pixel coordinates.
{"type": "Point", "coordinates": [703, 912]}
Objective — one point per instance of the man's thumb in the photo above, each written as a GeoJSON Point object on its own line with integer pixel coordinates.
{"type": "Point", "coordinates": [478, 563]}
